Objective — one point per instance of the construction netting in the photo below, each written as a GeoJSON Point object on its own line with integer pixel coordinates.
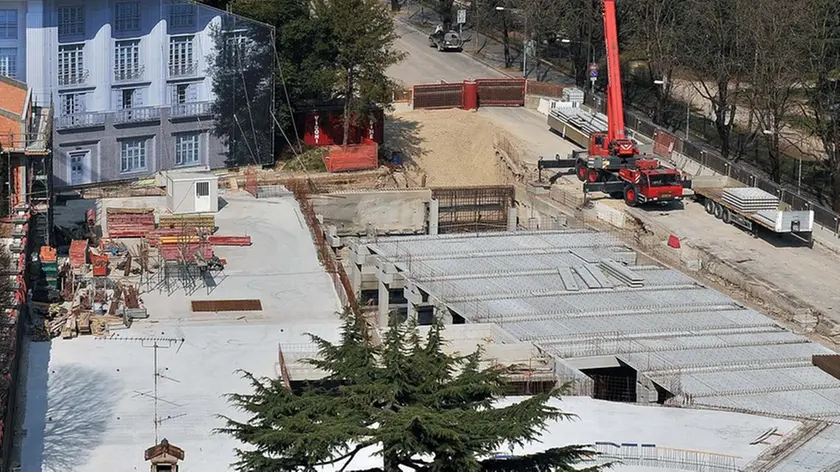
{"type": "Point", "coordinates": [241, 69]}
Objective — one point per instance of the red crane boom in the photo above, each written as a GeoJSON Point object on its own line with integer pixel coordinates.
{"type": "Point", "coordinates": [616, 133]}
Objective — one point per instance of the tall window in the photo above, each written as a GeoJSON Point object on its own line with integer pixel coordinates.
{"type": "Point", "coordinates": [127, 100]}
{"type": "Point", "coordinates": [127, 60]}
{"type": "Point", "coordinates": [181, 15]}
{"type": "Point", "coordinates": [182, 93]}
{"type": "Point", "coordinates": [127, 16]}
{"type": "Point", "coordinates": [8, 62]}
{"type": "Point", "coordinates": [132, 155]}
{"type": "Point", "coordinates": [71, 21]}
{"type": "Point", "coordinates": [186, 149]}
{"type": "Point", "coordinates": [181, 56]}
{"type": "Point", "coordinates": [71, 64]}
{"type": "Point", "coordinates": [8, 24]}
{"type": "Point", "coordinates": [72, 103]}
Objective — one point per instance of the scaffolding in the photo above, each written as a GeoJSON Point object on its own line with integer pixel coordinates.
{"type": "Point", "coordinates": [189, 262]}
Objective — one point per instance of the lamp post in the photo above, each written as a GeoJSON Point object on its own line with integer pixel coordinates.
{"type": "Point", "coordinates": [590, 58]}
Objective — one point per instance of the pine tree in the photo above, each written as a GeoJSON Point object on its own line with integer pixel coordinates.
{"type": "Point", "coordinates": [406, 398]}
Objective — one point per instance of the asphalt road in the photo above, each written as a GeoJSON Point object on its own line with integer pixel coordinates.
{"type": "Point", "coordinates": [428, 65]}
{"type": "Point", "coordinates": [425, 65]}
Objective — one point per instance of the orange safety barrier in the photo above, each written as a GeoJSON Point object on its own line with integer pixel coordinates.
{"type": "Point", "coordinates": [354, 157]}
{"type": "Point", "coordinates": [663, 144]}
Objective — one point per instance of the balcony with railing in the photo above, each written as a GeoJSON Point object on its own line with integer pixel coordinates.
{"type": "Point", "coordinates": [131, 74]}
{"type": "Point", "coordinates": [188, 69]}
{"type": "Point", "coordinates": [73, 78]}
{"type": "Point", "coordinates": [137, 115]}
{"type": "Point", "coordinates": [194, 109]}
{"type": "Point", "coordinates": [80, 120]}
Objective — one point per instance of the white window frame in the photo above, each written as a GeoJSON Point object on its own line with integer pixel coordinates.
{"type": "Point", "coordinates": [187, 149]}
{"type": "Point", "coordinates": [127, 59]}
{"type": "Point", "coordinates": [181, 55]}
{"type": "Point", "coordinates": [82, 155]}
{"type": "Point", "coordinates": [127, 16]}
{"type": "Point", "coordinates": [71, 60]}
{"type": "Point", "coordinates": [71, 21]}
{"type": "Point", "coordinates": [182, 15]}
{"type": "Point", "coordinates": [8, 62]}
{"type": "Point", "coordinates": [133, 155]}
{"type": "Point", "coordinates": [202, 189]}
{"type": "Point", "coordinates": [9, 23]}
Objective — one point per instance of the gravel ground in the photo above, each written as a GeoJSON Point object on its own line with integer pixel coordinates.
{"type": "Point", "coordinates": [452, 147]}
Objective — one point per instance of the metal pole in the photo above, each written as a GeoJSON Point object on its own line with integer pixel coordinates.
{"type": "Point", "coordinates": [688, 116]}
{"type": "Point", "coordinates": [477, 17]}
{"type": "Point", "coordinates": [799, 178]}
{"type": "Point", "coordinates": [525, 50]}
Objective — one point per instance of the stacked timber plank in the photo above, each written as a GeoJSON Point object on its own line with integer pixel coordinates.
{"type": "Point", "coordinates": [750, 199]}
{"type": "Point", "coordinates": [155, 236]}
{"type": "Point", "coordinates": [201, 221]}
{"type": "Point", "coordinates": [622, 273]}
{"type": "Point", "coordinates": [130, 222]}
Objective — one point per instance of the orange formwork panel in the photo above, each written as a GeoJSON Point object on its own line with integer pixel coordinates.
{"type": "Point", "coordinates": [363, 156]}
{"type": "Point", "coordinates": [78, 253]}
{"type": "Point", "coordinates": [48, 254]}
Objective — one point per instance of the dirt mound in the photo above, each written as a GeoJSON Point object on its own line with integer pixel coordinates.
{"type": "Point", "coordinates": [452, 147]}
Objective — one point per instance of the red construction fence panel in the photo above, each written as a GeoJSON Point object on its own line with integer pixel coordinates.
{"type": "Point", "coordinates": [438, 95]}
{"type": "Point", "coordinates": [353, 157]}
{"type": "Point", "coordinates": [501, 92]}
{"type": "Point", "coordinates": [663, 144]}
{"type": "Point", "coordinates": [543, 89]}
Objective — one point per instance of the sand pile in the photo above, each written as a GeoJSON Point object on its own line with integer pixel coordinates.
{"type": "Point", "coordinates": [452, 147]}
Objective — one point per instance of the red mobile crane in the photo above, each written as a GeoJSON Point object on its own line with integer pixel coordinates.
{"type": "Point", "coordinates": [612, 163]}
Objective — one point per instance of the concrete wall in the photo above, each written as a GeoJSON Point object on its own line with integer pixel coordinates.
{"type": "Point", "coordinates": [387, 211]}
{"type": "Point", "coordinates": [103, 146]}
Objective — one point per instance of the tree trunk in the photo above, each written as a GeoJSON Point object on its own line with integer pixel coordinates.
{"type": "Point", "coordinates": [395, 5]}
{"type": "Point", "coordinates": [506, 40]}
{"type": "Point", "coordinates": [348, 98]}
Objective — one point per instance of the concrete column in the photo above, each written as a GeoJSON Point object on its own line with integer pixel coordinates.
{"type": "Point", "coordinates": [511, 220]}
{"type": "Point", "coordinates": [434, 215]}
{"type": "Point", "coordinates": [356, 277]}
{"type": "Point", "coordinates": [412, 312]}
{"type": "Point", "coordinates": [443, 314]}
{"type": "Point", "coordinates": [384, 303]}
{"type": "Point", "coordinates": [645, 391]}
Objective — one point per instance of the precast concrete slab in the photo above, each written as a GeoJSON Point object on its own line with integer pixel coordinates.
{"type": "Point", "coordinates": [702, 346]}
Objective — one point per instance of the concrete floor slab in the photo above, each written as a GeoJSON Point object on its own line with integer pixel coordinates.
{"type": "Point", "coordinates": [90, 402]}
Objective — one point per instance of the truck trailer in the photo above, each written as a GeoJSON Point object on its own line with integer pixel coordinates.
{"type": "Point", "coordinates": [751, 208]}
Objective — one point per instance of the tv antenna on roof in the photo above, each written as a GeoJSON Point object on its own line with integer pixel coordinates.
{"type": "Point", "coordinates": [155, 343]}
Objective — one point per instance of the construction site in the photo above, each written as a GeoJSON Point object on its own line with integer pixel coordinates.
{"type": "Point", "coordinates": [572, 248]}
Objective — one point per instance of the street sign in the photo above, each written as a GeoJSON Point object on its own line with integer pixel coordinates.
{"type": "Point", "coordinates": [593, 70]}
{"type": "Point", "coordinates": [462, 16]}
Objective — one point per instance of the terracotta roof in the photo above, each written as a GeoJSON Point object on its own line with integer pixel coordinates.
{"type": "Point", "coordinates": [12, 95]}
{"type": "Point", "coordinates": [164, 448]}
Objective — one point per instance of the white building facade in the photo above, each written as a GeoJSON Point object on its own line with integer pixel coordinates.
{"type": "Point", "coordinates": [128, 80]}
